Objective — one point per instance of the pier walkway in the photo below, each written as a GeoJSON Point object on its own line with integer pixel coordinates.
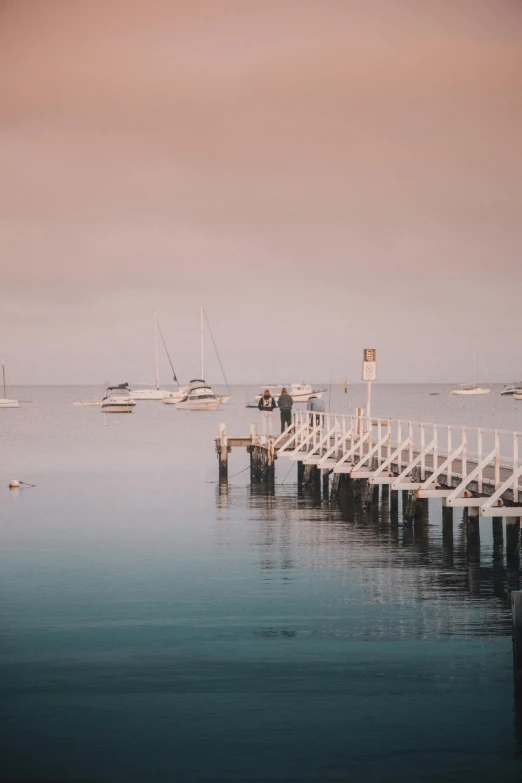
{"type": "Point", "coordinates": [475, 468]}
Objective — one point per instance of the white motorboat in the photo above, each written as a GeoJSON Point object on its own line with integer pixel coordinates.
{"type": "Point", "coordinates": [199, 398]}
{"type": "Point", "coordinates": [4, 402]}
{"type": "Point", "coordinates": [299, 392]}
{"type": "Point", "coordinates": [512, 388]}
{"type": "Point", "coordinates": [155, 393]}
{"type": "Point", "coordinates": [472, 388]}
{"type": "Point", "coordinates": [118, 400]}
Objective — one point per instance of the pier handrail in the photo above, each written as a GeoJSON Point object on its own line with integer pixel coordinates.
{"type": "Point", "coordinates": [468, 455]}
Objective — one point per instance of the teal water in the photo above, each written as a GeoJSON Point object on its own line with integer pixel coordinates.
{"type": "Point", "coordinates": [157, 629]}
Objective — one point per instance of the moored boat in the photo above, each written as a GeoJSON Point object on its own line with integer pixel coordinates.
{"type": "Point", "coordinates": [118, 400]}
{"type": "Point", "coordinates": [4, 402]}
{"type": "Point", "coordinates": [199, 398]}
{"type": "Point", "coordinates": [472, 388]}
{"type": "Point", "coordinates": [512, 388]}
{"type": "Point", "coordinates": [155, 393]}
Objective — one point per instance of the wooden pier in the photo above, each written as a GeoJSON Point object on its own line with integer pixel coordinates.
{"type": "Point", "coordinates": [473, 468]}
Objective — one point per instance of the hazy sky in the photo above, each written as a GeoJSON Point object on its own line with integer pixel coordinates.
{"type": "Point", "coordinates": [322, 175]}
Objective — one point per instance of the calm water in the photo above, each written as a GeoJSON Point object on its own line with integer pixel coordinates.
{"type": "Point", "coordinates": [155, 629]}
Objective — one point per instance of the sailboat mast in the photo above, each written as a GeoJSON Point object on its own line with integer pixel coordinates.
{"type": "Point", "coordinates": [474, 361]}
{"type": "Point", "coordinates": [3, 377]}
{"type": "Point", "coordinates": [202, 345]}
{"type": "Point", "coordinates": [156, 349]}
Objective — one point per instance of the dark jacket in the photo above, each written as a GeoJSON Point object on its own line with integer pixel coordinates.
{"type": "Point", "coordinates": [266, 403]}
{"type": "Point", "coordinates": [285, 402]}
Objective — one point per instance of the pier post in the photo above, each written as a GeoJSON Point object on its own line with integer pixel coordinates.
{"type": "Point", "coordinates": [222, 449]}
{"type": "Point", "coordinates": [326, 484]}
{"type": "Point", "coordinates": [394, 505]}
{"type": "Point", "coordinates": [516, 613]}
{"type": "Point", "coordinates": [512, 535]}
{"type": "Point", "coordinates": [447, 513]}
{"type": "Point", "coordinates": [416, 509]}
{"type": "Point", "coordinates": [473, 528]}
{"type": "Point", "coordinates": [300, 473]}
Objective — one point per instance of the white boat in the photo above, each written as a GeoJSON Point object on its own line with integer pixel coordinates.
{"type": "Point", "coordinates": [472, 388]}
{"type": "Point", "coordinates": [4, 402]}
{"type": "Point", "coordinates": [154, 393]}
{"type": "Point", "coordinates": [199, 398]}
{"type": "Point", "coordinates": [198, 395]}
{"type": "Point", "coordinates": [512, 388]}
{"type": "Point", "coordinates": [118, 400]}
{"type": "Point", "coordinates": [299, 392]}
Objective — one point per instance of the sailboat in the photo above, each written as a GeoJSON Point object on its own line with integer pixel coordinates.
{"type": "Point", "coordinates": [5, 403]}
{"type": "Point", "coordinates": [472, 388]}
{"type": "Point", "coordinates": [199, 395]}
{"type": "Point", "coordinates": [156, 393]}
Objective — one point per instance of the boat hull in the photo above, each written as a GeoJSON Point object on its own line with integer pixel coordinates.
{"type": "Point", "coordinates": [470, 392]}
{"type": "Point", "coordinates": [9, 404]}
{"type": "Point", "coordinates": [517, 396]}
{"type": "Point", "coordinates": [195, 405]}
{"type": "Point", "coordinates": [153, 395]}
{"type": "Point", "coordinates": [113, 408]}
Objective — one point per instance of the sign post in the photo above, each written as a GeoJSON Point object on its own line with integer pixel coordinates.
{"type": "Point", "coordinates": [369, 374]}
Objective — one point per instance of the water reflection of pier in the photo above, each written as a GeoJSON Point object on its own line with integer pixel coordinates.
{"type": "Point", "coordinates": [436, 563]}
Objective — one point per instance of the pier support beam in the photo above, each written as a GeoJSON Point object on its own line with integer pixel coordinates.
{"type": "Point", "coordinates": [262, 466]}
{"type": "Point", "coordinates": [326, 484]}
{"type": "Point", "coordinates": [394, 506]}
{"type": "Point", "coordinates": [447, 514]}
{"type": "Point", "coordinates": [416, 509]}
{"type": "Point", "coordinates": [516, 609]}
{"type": "Point", "coordinates": [513, 552]}
{"type": "Point", "coordinates": [223, 449]}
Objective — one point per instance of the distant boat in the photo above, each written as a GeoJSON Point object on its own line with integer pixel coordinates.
{"type": "Point", "coordinates": [512, 388]}
{"type": "Point", "coordinates": [192, 397]}
{"type": "Point", "coordinates": [200, 398]}
{"type": "Point", "coordinates": [5, 403]}
{"type": "Point", "coordinates": [472, 388]}
{"type": "Point", "coordinates": [81, 403]}
{"type": "Point", "coordinates": [155, 393]}
{"type": "Point", "coordinates": [300, 392]}
{"type": "Point", "coordinates": [118, 399]}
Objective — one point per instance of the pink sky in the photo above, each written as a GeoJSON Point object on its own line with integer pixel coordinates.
{"type": "Point", "coordinates": [321, 175]}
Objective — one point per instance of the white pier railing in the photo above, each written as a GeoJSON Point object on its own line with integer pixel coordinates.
{"type": "Point", "coordinates": [468, 466]}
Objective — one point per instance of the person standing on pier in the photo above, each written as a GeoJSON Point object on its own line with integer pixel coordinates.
{"type": "Point", "coordinates": [266, 405]}
{"type": "Point", "coordinates": [315, 405]}
{"type": "Point", "coordinates": [285, 403]}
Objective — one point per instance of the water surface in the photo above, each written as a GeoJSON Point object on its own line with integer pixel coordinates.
{"type": "Point", "coordinates": [157, 628]}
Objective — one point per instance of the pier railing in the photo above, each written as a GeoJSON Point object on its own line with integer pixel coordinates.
{"type": "Point", "coordinates": [468, 466]}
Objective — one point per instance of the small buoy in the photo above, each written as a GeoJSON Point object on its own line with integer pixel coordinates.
{"type": "Point", "coordinates": [14, 484]}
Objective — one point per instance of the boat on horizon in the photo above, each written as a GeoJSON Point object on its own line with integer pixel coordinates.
{"type": "Point", "coordinates": [199, 395]}
{"type": "Point", "coordinates": [4, 402]}
{"type": "Point", "coordinates": [200, 398]}
{"type": "Point", "coordinates": [512, 388]}
{"type": "Point", "coordinates": [472, 388]}
{"type": "Point", "coordinates": [155, 393]}
{"type": "Point", "coordinates": [118, 399]}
